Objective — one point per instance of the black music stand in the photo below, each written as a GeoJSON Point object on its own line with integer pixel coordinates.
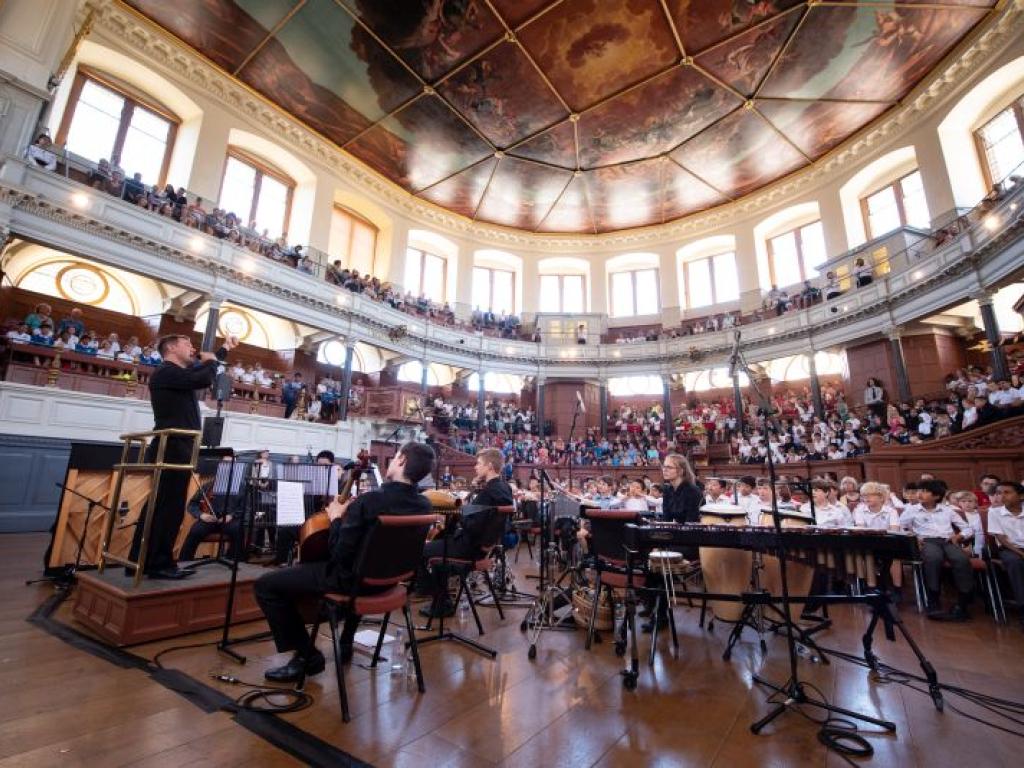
{"type": "Point", "coordinates": [793, 689]}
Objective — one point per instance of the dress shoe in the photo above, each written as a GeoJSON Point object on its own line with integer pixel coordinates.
{"type": "Point", "coordinates": [312, 664]}
{"type": "Point", "coordinates": [170, 574]}
{"type": "Point", "coordinates": [434, 611]}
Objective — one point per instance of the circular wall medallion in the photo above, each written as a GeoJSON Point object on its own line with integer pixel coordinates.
{"type": "Point", "coordinates": [82, 284]}
{"type": "Point", "coordinates": [234, 323]}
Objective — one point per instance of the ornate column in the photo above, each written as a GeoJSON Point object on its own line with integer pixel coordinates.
{"type": "Point", "coordinates": [812, 368]}
{"type": "Point", "coordinates": [481, 399]}
{"type": "Point", "coordinates": [346, 382]}
{"type": "Point", "coordinates": [602, 396]}
{"type": "Point", "coordinates": [900, 364]}
{"type": "Point", "coordinates": [212, 318]}
{"type": "Point", "coordinates": [1000, 370]}
{"type": "Point", "coordinates": [540, 406]}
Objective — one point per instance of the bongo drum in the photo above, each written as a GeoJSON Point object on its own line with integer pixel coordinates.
{"type": "Point", "coordinates": [799, 575]}
{"type": "Point", "coordinates": [726, 571]}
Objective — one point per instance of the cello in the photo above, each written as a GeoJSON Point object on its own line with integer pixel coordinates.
{"type": "Point", "coordinates": [314, 535]}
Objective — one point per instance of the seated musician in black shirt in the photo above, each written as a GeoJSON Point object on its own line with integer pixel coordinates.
{"type": "Point", "coordinates": [465, 541]}
{"type": "Point", "coordinates": [280, 592]}
{"type": "Point", "coordinates": [213, 513]}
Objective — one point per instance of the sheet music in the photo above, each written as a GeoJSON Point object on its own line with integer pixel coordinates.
{"type": "Point", "coordinates": [228, 479]}
{"type": "Point", "coordinates": [290, 510]}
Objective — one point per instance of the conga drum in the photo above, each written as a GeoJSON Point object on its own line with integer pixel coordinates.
{"type": "Point", "coordinates": [799, 575]}
{"type": "Point", "coordinates": [726, 571]}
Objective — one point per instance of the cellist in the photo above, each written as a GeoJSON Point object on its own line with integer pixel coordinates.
{"type": "Point", "coordinates": [280, 592]}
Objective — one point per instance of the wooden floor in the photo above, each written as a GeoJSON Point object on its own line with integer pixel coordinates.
{"type": "Point", "coordinates": [64, 706]}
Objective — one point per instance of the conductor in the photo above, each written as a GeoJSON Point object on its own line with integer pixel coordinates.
{"type": "Point", "coordinates": [172, 393]}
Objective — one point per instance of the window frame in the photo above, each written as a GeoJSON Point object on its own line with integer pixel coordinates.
{"type": "Point", "coordinates": [710, 259]}
{"type": "Point", "coordinates": [490, 288]}
{"type": "Point", "coordinates": [423, 253]}
{"type": "Point", "coordinates": [132, 100]}
{"type": "Point", "coordinates": [351, 233]}
{"type": "Point", "coordinates": [561, 290]}
{"type": "Point", "coordinates": [897, 186]}
{"type": "Point", "coordinates": [633, 284]}
{"type": "Point", "coordinates": [1017, 107]}
{"type": "Point", "coordinates": [770, 242]}
{"type": "Point", "coordinates": [262, 169]}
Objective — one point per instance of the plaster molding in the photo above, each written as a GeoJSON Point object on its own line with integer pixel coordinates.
{"type": "Point", "coordinates": [154, 45]}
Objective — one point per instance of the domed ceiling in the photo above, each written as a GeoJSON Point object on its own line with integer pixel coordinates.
{"type": "Point", "coordinates": [577, 115]}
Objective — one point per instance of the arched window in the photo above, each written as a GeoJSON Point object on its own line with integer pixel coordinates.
{"type": "Point", "coordinates": [109, 120]}
{"type": "Point", "coordinates": [711, 280]}
{"type": "Point", "coordinates": [426, 274]}
{"type": "Point", "coordinates": [562, 293]}
{"type": "Point", "coordinates": [1001, 143]}
{"type": "Point", "coordinates": [496, 382]}
{"type": "Point", "coordinates": [795, 256]}
{"type": "Point", "coordinates": [353, 240]}
{"type": "Point", "coordinates": [625, 386]}
{"type": "Point", "coordinates": [412, 372]}
{"type": "Point", "coordinates": [634, 292]}
{"type": "Point", "coordinates": [898, 204]}
{"type": "Point", "coordinates": [256, 193]}
{"type": "Point", "coordinates": [714, 378]}
{"type": "Point", "coordinates": [333, 353]}
{"type": "Point", "coordinates": [494, 289]}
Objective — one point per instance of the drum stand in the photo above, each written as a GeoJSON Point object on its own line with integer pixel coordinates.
{"type": "Point", "coordinates": [752, 616]}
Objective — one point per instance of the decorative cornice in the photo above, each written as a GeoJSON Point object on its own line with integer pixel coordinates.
{"type": "Point", "coordinates": [155, 45]}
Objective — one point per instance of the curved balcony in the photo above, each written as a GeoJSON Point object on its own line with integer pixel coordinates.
{"type": "Point", "coordinates": [922, 276]}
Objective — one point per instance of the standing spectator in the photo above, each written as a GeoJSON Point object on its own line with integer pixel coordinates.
{"type": "Point", "coordinates": [40, 315]}
{"type": "Point", "coordinates": [862, 273]}
{"type": "Point", "coordinates": [72, 323]}
{"type": "Point", "coordinates": [290, 393]}
{"type": "Point", "coordinates": [874, 398]}
{"type": "Point", "coordinates": [41, 153]}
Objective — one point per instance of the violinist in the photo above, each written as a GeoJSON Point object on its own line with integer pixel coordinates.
{"type": "Point", "coordinates": [280, 592]}
{"type": "Point", "coordinates": [213, 513]}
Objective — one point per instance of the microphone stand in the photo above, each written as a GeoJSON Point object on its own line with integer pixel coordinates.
{"type": "Point", "coordinates": [66, 578]}
{"type": "Point", "coordinates": [793, 689]}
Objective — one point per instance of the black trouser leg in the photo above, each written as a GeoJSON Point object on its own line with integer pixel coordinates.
{"type": "Point", "coordinates": [932, 557]}
{"type": "Point", "coordinates": [279, 594]}
{"type": "Point", "coordinates": [285, 541]}
{"type": "Point", "coordinates": [169, 509]}
{"type": "Point", "coordinates": [1014, 565]}
{"type": "Point", "coordinates": [963, 574]}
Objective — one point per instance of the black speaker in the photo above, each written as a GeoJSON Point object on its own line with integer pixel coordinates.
{"type": "Point", "coordinates": [213, 430]}
{"type": "Point", "coordinates": [222, 389]}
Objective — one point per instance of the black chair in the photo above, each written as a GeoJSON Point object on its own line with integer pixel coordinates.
{"type": "Point", "coordinates": [390, 555]}
{"type": "Point", "coordinates": [608, 556]}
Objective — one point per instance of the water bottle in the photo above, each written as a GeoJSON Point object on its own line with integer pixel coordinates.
{"type": "Point", "coordinates": [463, 610]}
{"type": "Point", "coordinates": [397, 654]}
{"type": "Point", "coordinates": [410, 667]}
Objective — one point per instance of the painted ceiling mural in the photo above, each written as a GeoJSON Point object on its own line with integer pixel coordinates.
{"type": "Point", "coordinates": [577, 115]}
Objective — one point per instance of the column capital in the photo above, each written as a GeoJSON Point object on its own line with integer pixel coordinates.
{"type": "Point", "coordinates": [894, 332]}
{"type": "Point", "coordinates": [983, 296]}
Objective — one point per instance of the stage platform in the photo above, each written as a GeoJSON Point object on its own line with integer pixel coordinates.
{"type": "Point", "coordinates": [109, 606]}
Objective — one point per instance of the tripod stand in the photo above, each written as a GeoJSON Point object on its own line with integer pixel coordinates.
{"type": "Point", "coordinates": [553, 607]}
{"type": "Point", "coordinates": [66, 578]}
{"type": "Point", "coordinates": [793, 689]}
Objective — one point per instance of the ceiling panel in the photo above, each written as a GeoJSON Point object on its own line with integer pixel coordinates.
{"type": "Point", "coordinates": [652, 118]}
{"type": "Point", "coordinates": [626, 195]}
{"type": "Point", "coordinates": [702, 23]}
{"type": "Point", "coordinates": [739, 154]}
{"type": "Point", "coordinates": [431, 37]}
{"type": "Point", "coordinates": [420, 145]}
{"type": "Point", "coordinates": [503, 95]}
{"type": "Point", "coordinates": [521, 193]}
{"type": "Point", "coordinates": [572, 211]}
{"type": "Point", "coordinates": [591, 49]}
{"type": "Point", "coordinates": [818, 126]}
{"type": "Point", "coordinates": [515, 12]}
{"type": "Point", "coordinates": [462, 192]}
{"type": "Point", "coordinates": [684, 193]}
{"type": "Point", "coordinates": [868, 53]}
{"type": "Point", "coordinates": [555, 146]}
{"type": "Point", "coordinates": [743, 61]}
{"type": "Point", "coordinates": [224, 31]}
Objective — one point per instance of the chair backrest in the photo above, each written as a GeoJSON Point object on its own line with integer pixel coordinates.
{"type": "Point", "coordinates": [608, 532]}
{"type": "Point", "coordinates": [392, 550]}
{"type": "Point", "coordinates": [489, 530]}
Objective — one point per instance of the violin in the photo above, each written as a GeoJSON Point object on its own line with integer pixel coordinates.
{"type": "Point", "coordinates": [314, 534]}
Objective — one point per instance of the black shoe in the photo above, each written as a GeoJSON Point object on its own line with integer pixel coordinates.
{"type": "Point", "coordinates": [170, 574]}
{"type": "Point", "coordinates": [648, 626]}
{"type": "Point", "coordinates": [434, 611]}
{"type": "Point", "coordinates": [313, 664]}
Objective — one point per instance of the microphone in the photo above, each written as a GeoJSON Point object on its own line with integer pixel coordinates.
{"type": "Point", "coordinates": [734, 356]}
{"type": "Point", "coordinates": [579, 402]}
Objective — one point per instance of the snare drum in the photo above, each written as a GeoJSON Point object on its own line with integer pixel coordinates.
{"type": "Point", "coordinates": [726, 571]}
{"type": "Point", "coordinates": [799, 576]}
